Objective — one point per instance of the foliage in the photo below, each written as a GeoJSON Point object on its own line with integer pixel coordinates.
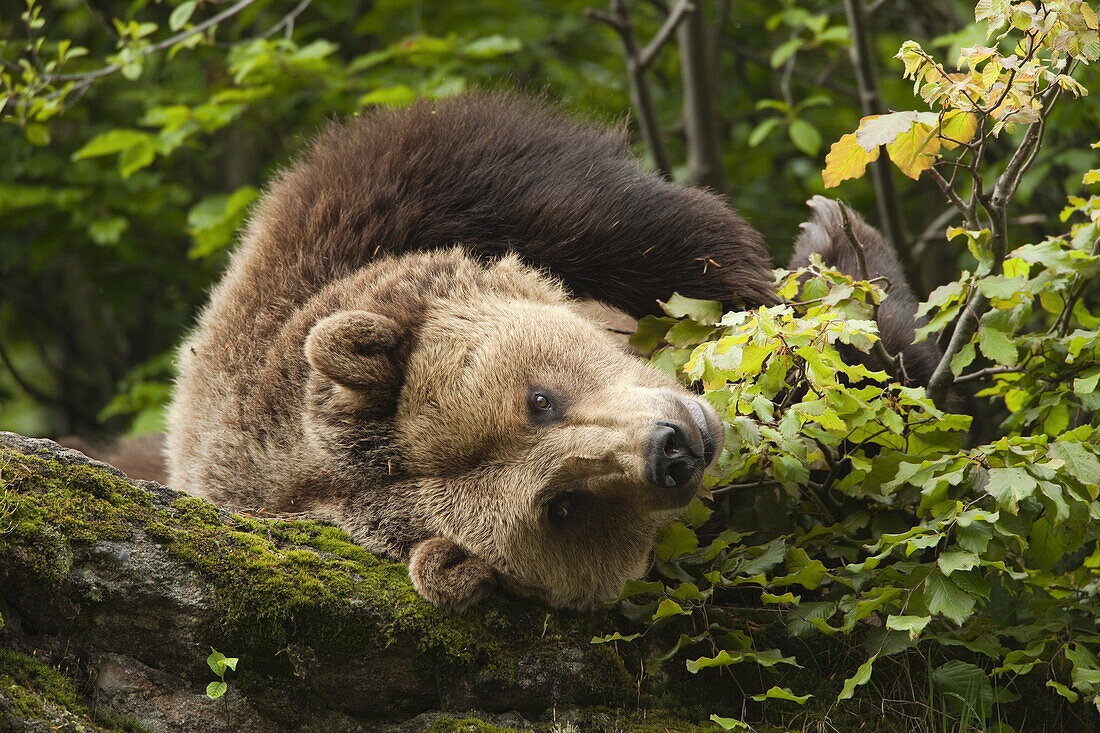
{"type": "Point", "coordinates": [219, 663]}
{"type": "Point", "coordinates": [951, 534]}
{"type": "Point", "coordinates": [852, 505]}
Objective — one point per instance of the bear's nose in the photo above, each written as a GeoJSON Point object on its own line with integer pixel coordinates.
{"type": "Point", "coordinates": [670, 455]}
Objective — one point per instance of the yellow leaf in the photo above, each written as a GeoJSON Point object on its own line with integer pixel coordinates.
{"type": "Point", "coordinates": [915, 151]}
{"type": "Point", "coordinates": [1089, 16]}
{"type": "Point", "coordinates": [846, 159]}
{"type": "Point", "coordinates": [957, 127]}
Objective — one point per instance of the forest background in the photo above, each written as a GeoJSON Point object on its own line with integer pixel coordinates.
{"type": "Point", "coordinates": [128, 162]}
{"type": "Point", "coordinates": [954, 554]}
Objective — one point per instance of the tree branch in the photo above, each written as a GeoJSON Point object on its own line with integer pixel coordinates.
{"type": "Point", "coordinates": [86, 78]}
{"type": "Point", "coordinates": [682, 9]}
{"type": "Point", "coordinates": [704, 150]}
{"type": "Point", "coordinates": [863, 64]}
{"type": "Point", "coordinates": [636, 61]}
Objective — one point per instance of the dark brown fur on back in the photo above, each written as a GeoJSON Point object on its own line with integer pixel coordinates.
{"type": "Point", "coordinates": [498, 174]}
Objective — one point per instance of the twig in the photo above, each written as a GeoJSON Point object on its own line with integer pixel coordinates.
{"type": "Point", "coordinates": [702, 145]}
{"type": "Point", "coordinates": [86, 78]}
{"type": "Point", "coordinates": [863, 64]}
{"type": "Point", "coordinates": [885, 360]}
{"type": "Point", "coordinates": [995, 207]}
{"type": "Point", "coordinates": [966, 209]}
{"type": "Point", "coordinates": [287, 20]}
{"type": "Point", "coordinates": [681, 11]}
{"type": "Point", "coordinates": [987, 372]}
{"type": "Point", "coordinates": [636, 62]}
{"type": "Point", "coordinates": [26, 386]}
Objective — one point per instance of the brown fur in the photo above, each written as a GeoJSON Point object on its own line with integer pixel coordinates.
{"type": "Point", "coordinates": [897, 320]}
{"type": "Point", "coordinates": [353, 363]}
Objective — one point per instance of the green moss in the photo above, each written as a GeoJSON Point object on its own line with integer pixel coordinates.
{"type": "Point", "coordinates": [281, 584]}
{"type": "Point", "coordinates": [467, 725]}
{"type": "Point", "coordinates": [37, 693]}
{"type": "Point", "coordinates": [196, 512]}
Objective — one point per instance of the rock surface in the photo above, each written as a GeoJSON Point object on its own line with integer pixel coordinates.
{"type": "Point", "coordinates": [125, 586]}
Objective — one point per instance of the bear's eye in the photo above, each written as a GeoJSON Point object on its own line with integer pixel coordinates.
{"type": "Point", "coordinates": [563, 508]}
{"type": "Point", "coordinates": [541, 401]}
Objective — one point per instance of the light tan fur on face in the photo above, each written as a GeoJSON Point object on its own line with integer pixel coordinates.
{"type": "Point", "coordinates": [490, 475]}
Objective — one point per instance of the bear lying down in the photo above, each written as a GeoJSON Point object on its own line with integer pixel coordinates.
{"type": "Point", "coordinates": [395, 347]}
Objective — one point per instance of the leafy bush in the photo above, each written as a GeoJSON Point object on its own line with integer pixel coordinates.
{"type": "Point", "coordinates": [851, 505]}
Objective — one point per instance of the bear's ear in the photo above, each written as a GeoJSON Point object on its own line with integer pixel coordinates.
{"type": "Point", "coordinates": [355, 349]}
{"type": "Point", "coordinates": [448, 576]}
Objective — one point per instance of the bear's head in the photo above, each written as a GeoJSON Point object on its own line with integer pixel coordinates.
{"type": "Point", "coordinates": [531, 449]}
{"type": "Point", "coordinates": [545, 450]}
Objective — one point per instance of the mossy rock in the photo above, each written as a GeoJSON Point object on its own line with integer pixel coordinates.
{"type": "Point", "coordinates": [136, 583]}
{"type": "Point", "coordinates": [35, 697]}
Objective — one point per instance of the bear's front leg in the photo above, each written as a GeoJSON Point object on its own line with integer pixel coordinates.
{"type": "Point", "coordinates": [355, 349]}
{"type": "Point", "coordinates": [446, 575]}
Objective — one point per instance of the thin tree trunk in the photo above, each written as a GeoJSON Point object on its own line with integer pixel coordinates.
{"type": "Point", "coordinates": [704, 150]}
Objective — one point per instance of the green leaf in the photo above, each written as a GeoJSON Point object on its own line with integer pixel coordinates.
{"type": "Point", "coordinates": [954, 560]}
{"type": "Point", "coordinates": [613, 637]}
{"type": "Point", "coordinates": [107, 231]}
{"type": "Point", "coordinates": [706, 312]}
{"type": "Point", "coordinates": [962, 359]}
{"type": "Point", "coordinates": [133, 159]}
{"type": "Point", "coordinates": [649, 333]}
{"type": "Point", "coordinates": [966, 680]}
{"type": "Point", "coordinates": [997, 345]}
{"type": "Point", "coordinates": [784, 51]}
{"type": "Point", "coordinates": [111, 142]}
{"type": "Point", "coordinates": [37, 134]}
{"type": "Point", "coordinates": [1009, 485]}
{"type": "Point", "coordinates": [862, 675]}
{"type": "Point", "coordinates": [1079, 462]}
{"type": "Point", "coordinates": [782, 693]}
{"type": "Point", "coordinates": [1046, 548]}
{"type": "Point", "coordinates": [669, 607]}
{"type": "Point", "coordinates": [491, 47]}
{"type": "Point", "coordinates": [911, 624]}
{"type": "Point", "coordinates": [215, 662]}
{"type": "Point", "coordinates": [216, 689]}
{"type": "Point", "coordinates": [722, 659]}
{"type": "Point", "coordinates": [805, 137]}
{"type": "Point", "coordinates": [214, 220]}
{"type": "Point", "coordinates": [395, 96]}
{"type": "Point", "coordinates": [761, 131]}
{"type": "Point", "coordinates": [688, 333]}
{"type": "Point", "coordinates": [729, 723]}
{"type": "Point", "coordinates": [676, 540]}
{"type": "Point", "coordinates": [1085, 384]}
{"type": "Point", "coordinates": [1062, 690]}
{"type": "Point", "coordinates": [181, 14]}
{"type": "Point", "coordinates": [947, 598]}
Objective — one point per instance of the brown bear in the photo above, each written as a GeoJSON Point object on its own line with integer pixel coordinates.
{"type": "Point", "coordinates": [395, 346]}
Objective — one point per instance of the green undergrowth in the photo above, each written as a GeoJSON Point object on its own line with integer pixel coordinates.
{"type": "Point", "coordinates": [592, 721]}
{"type": "Point", "coordinates": [281, 585]}
{"type": "Point", "coordinates": [32, 693]}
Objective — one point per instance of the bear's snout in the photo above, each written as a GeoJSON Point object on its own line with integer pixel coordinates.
{"type": "Point", "coordinates": [677, 451]}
